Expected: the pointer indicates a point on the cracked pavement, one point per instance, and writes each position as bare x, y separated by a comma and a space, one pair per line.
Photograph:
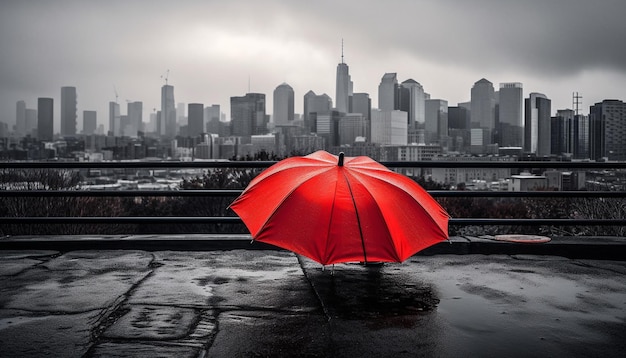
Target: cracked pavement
267, 303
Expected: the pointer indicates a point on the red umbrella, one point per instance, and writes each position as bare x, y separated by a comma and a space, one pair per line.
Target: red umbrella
335, 209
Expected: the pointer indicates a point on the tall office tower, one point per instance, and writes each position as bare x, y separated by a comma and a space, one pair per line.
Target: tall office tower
537, 122
90, 122
412, 100
388, 92
459, 128
314, 105
607, 130
343, 88
45, 119
180, 113
248, 115
68, 111
389, 127
283, 105
31, 123
212, 119
20, 118
114, 119
510, 115
167, 124
362, 104
561, 132
580, 136
350, 127
436, 126
483, 107
135, 119
195, 119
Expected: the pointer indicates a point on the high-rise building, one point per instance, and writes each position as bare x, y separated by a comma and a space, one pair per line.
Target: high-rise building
483, 107
135, 119
436, 126
388, 92
510, 115
20, 118
248, 116
314, 105
45, 119
31, 123
114, 119
412, 100
90, 122
459, 129
362, 104
195, 119
351, 126
537, 123
607, 130
389, 127
283, 105
343, 88
167, 123
68, 111
212, 119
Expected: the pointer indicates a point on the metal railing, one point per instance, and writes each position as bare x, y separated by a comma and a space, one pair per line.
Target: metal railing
225, 219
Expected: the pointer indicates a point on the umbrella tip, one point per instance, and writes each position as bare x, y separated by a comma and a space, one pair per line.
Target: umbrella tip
341, 155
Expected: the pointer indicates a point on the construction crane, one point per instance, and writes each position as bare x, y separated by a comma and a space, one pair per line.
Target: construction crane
167, 74
115, 90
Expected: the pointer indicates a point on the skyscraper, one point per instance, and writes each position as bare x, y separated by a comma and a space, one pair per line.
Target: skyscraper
607, 130
45, 119
511, 120
343, 86
20, 118
68, 111
90, 122
436, 126
167, 123
389, 127
314, 105
212, 119
412, 100
135, 119
483, 107
537, 123
362, 104
114, 119
195, 119
388, 92
31, 123
248, 116
283, 105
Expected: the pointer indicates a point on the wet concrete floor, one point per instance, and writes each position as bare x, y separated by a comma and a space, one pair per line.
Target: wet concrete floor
240, 303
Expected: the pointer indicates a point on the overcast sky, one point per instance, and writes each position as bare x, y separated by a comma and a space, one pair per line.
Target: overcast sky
218, 49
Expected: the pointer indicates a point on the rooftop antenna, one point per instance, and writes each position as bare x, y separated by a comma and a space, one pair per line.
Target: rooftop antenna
248, 83
576, 101
115, 90
167, 74
341, 50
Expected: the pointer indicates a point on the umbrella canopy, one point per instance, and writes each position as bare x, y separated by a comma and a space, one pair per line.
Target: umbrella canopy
334, 209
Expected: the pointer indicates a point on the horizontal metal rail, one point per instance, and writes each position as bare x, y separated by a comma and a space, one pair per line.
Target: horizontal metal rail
236, 192
235, 220
265, 164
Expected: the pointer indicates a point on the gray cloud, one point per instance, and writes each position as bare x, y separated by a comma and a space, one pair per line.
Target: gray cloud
213, 47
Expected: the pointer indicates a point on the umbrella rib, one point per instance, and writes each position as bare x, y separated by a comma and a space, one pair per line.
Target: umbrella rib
428, 217
358, 219
356, 178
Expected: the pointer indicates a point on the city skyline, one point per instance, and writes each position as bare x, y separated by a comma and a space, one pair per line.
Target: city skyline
215, 51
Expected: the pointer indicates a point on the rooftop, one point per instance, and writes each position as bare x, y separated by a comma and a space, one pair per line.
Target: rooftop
221, 296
